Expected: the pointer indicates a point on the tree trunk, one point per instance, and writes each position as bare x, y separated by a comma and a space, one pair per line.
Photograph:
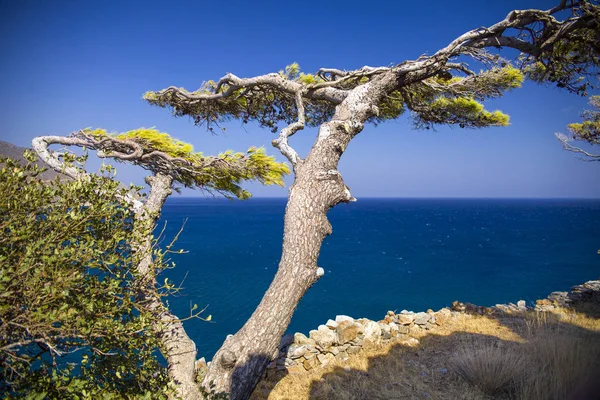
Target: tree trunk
178, 349
238, 365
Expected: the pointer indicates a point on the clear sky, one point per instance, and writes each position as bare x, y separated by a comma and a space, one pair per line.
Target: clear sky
66, 65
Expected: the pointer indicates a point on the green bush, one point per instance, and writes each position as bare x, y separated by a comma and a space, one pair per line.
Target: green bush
69, 327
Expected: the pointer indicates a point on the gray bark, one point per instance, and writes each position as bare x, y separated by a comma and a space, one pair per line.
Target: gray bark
178, 349
318, 186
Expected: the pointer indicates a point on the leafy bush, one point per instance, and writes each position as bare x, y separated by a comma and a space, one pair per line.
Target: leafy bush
69, 327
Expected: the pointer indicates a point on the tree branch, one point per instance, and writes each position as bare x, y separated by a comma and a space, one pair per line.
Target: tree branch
282, 142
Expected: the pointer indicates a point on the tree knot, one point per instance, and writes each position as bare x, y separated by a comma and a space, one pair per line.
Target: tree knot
228, 359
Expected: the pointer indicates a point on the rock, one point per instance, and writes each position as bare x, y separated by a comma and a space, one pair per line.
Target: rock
353, 349
308, 355
335, 350
331, 324
272, 365
521, 304
415, 329
458, 306
442, 316
342, 356
347, 331
310, 363
372, 332
589, 291
473, 308
340, 318
391, 313
386, 331
388, 319
324, 336
296, 351
300, 338
422, 318
429, 311
560, 298
406, 312
325, 359
403, 329
502, 307
406, 319
410, 342
393, 329
429, 325
432, 318
200, 364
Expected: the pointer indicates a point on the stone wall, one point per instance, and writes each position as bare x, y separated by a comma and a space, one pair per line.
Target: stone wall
338, 339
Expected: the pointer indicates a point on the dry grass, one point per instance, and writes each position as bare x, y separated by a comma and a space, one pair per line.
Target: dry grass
531, 356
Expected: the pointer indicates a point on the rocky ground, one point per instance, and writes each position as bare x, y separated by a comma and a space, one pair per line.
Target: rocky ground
417, 354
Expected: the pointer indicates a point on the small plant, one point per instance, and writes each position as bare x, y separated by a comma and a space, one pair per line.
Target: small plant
493, 370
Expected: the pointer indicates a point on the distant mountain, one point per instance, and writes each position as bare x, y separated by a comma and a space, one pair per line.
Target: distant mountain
16, 153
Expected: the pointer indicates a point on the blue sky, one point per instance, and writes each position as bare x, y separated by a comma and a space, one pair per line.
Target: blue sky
73, 64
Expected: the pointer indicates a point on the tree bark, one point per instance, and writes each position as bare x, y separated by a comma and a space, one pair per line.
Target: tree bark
239, 364
178, 349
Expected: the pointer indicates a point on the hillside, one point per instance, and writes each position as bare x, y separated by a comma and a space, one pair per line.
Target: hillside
16, 152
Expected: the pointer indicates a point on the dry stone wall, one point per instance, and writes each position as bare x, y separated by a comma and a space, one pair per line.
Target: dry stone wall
338, 339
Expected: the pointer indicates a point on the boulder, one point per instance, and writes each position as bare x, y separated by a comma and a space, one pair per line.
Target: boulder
296, 351
422, 318
458, 306
403, 329
410, 342
324, 337
353, 349
347, 331
310, 363
340, 318
200, 364
300, 338
325, 359
406, 319
393, 329
442, 316
386, 331
331, 324
372, 332
342, 356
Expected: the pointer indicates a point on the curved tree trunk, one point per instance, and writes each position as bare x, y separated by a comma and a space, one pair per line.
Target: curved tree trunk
238, 365
178, 349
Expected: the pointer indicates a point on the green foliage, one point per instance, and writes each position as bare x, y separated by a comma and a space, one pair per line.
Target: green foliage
589, 129
447, 99
443, 99
70, 329
265, 105
462, 110
223, 173
571, 62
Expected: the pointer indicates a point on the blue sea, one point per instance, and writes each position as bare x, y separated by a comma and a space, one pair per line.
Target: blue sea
384, 254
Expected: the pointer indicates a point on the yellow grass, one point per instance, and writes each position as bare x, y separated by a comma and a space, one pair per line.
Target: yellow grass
522, 356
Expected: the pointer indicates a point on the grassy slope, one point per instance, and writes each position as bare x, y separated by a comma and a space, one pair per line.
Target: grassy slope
522, 356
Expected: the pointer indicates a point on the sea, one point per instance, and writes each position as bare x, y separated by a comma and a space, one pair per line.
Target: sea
384, 254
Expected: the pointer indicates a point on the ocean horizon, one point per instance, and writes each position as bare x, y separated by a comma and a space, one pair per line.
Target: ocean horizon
384, 254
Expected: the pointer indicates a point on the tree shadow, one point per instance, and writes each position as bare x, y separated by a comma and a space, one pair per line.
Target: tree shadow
429, 371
